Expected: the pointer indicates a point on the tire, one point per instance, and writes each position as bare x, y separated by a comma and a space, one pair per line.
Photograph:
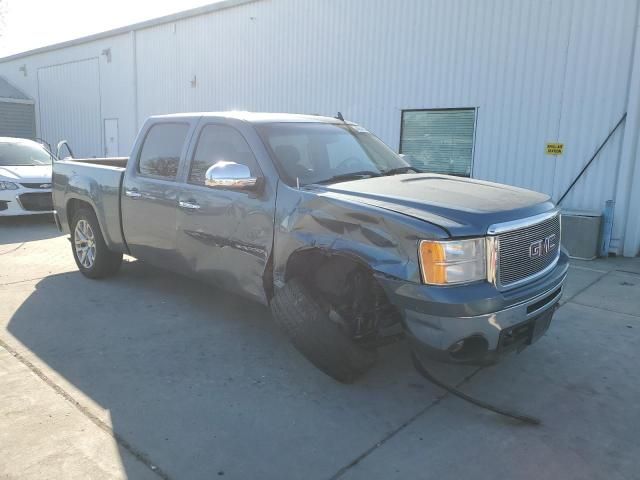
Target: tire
92, 256
321, 340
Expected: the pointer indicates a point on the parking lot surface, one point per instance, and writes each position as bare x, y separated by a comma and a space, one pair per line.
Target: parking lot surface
152, 375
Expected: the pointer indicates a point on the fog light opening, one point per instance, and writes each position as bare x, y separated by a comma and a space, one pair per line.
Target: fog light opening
470, 348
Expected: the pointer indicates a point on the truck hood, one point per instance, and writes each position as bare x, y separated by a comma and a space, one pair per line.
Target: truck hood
26, 173
461, 206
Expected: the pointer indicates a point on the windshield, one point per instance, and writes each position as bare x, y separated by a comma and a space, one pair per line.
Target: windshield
307, 153
23, 153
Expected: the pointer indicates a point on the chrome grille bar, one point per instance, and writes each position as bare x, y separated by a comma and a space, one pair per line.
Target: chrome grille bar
518, 251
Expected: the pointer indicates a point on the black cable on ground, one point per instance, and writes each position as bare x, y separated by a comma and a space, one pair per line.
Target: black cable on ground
479, 403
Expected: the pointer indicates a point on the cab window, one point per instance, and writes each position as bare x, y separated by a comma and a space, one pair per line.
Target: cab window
160, 153
220, 143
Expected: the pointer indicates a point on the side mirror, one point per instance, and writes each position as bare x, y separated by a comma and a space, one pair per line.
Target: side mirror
230, 175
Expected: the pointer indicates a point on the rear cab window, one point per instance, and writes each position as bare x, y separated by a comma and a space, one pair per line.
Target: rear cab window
160, 153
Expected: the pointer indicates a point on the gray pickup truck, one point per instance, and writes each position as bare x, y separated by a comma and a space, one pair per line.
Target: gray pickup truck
349, 245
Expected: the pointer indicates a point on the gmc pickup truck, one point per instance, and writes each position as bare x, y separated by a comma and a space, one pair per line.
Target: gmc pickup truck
349, 245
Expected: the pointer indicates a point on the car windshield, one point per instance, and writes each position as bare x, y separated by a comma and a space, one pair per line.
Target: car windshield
307, 153
22, 154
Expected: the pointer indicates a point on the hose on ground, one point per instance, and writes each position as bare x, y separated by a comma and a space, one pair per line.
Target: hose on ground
479, 403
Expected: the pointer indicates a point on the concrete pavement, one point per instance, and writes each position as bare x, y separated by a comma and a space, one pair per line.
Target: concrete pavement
151, 375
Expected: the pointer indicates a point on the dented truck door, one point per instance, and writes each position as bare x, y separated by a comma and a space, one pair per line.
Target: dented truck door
225, 234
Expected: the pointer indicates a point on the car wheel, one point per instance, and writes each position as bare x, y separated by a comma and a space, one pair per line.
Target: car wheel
93, 257
313, 332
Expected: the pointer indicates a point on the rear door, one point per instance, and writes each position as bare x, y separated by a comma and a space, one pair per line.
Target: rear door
225, 236
150, 192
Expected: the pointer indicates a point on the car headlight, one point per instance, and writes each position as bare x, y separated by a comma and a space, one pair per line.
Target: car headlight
8, 185
448, 262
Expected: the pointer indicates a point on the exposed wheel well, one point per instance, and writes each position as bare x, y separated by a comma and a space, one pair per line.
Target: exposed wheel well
73, 206
346, 283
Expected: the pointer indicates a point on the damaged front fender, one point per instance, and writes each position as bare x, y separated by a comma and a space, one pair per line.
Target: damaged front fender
385, 242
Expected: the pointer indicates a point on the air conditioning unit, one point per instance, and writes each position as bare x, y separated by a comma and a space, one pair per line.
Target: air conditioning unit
581, 233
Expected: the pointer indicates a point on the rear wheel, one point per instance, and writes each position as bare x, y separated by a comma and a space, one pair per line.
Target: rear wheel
315, 331
93, 257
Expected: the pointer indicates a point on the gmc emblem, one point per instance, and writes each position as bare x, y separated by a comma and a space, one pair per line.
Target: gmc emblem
540, 248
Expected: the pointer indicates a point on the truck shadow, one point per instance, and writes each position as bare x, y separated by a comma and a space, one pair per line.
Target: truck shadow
27, 229
195, 378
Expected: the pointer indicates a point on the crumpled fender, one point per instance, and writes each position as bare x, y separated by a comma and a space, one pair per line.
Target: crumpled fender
385, 241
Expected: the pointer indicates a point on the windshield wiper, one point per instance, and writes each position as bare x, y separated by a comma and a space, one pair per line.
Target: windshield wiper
350, 176
398, 170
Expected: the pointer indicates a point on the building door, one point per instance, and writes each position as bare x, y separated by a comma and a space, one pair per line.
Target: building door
110, 137
69, 103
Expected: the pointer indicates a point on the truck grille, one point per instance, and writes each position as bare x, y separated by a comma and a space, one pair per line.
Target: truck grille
527, 251
36, 202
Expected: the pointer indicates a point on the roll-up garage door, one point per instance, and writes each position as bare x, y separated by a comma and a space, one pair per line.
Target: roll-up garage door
17, 119
69, 106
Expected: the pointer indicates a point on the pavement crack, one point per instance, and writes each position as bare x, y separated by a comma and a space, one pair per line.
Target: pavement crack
401, 427
569, 299
13, 249
627, 272
606, 309
21, 281
137, 454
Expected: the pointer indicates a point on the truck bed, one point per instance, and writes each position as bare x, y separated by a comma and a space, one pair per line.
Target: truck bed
96, 181
120, 162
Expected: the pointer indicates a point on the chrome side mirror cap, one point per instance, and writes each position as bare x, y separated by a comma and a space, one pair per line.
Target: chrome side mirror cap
230, 175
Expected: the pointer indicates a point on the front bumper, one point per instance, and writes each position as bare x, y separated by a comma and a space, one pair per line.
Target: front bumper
25, 201
477, 324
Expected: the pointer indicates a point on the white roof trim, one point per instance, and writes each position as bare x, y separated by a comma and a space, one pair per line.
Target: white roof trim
193, 12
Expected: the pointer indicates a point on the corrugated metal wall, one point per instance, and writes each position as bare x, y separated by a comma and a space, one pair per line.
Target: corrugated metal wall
70, 105
537, 71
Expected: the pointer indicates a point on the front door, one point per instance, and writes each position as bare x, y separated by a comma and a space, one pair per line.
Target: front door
225, 236
150, 194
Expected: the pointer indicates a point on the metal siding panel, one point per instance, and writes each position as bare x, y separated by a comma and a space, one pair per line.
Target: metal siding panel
594, 99
536, 70
70, 106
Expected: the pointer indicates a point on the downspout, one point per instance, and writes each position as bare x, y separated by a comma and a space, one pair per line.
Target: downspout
628, 192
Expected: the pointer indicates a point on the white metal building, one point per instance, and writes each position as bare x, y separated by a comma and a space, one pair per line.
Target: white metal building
475, 87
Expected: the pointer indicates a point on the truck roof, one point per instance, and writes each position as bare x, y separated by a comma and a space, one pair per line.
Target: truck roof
256, 117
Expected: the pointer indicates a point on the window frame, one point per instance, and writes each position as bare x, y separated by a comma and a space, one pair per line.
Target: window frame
185, 144
445, 109
194, 148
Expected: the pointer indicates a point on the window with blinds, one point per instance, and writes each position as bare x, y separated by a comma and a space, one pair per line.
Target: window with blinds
439, 141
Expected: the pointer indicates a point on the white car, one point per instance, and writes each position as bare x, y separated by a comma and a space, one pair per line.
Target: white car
25, 177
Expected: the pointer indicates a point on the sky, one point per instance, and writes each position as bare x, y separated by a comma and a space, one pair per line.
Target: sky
28, 24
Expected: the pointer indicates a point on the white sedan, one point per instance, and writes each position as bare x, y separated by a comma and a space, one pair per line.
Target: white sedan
25, 177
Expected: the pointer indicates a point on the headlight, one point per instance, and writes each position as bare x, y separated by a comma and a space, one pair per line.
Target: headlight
450, 262
8, 186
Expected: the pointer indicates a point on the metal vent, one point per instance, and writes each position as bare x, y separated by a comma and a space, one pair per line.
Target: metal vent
523, 253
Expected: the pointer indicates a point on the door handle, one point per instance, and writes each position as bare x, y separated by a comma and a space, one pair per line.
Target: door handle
188, 205
132, 193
